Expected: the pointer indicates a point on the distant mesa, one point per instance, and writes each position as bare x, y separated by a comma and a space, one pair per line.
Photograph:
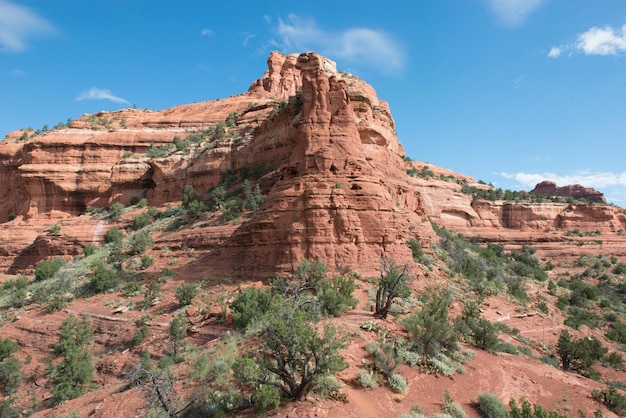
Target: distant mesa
576, 191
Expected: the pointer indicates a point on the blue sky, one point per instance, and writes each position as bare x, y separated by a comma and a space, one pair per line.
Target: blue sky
510, 92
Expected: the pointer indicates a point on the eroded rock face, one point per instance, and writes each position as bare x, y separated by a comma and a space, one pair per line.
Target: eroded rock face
336, 197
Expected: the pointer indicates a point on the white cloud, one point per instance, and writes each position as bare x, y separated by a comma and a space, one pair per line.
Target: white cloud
356, 45
514, 12
595, 179
18, 24
595, 41
602, 41
207, 32
95, 93
554, 52
16, 72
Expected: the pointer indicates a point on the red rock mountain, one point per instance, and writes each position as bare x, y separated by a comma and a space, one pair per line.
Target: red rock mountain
337, 186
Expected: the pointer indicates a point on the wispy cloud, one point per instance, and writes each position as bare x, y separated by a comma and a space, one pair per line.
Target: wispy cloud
374, 48
519, 82
18, 24
246, 37
207, 32
595, 41
595, 179
16, 72
514, 12
555, 52
95, 93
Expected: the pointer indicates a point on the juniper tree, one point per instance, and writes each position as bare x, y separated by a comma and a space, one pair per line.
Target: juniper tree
393, 283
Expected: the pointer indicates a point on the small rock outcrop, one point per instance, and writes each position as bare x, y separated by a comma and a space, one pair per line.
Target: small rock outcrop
576, 191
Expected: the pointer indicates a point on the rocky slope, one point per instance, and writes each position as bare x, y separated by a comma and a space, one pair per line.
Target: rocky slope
327, 158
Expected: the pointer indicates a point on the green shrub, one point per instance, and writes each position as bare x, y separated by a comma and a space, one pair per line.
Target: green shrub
530, 411
452, 408
141, 333
141, 221
612, 399
418, 253
18, 298
70, 377
250, 305
447, 365
114, 234
614, 360
476, 330
384, 355
103, 278
579, 355
146, 261
617, 332
186, 292
551, 360
490, 406
7, 348
18, 289
7, 411
10, 375
328, 386
406, 356
157, 151
140, 242
506, 348
177, 332
253, 198
194, 205
266, 398
335, 296
429, 329
132, 289
166, 274
151, 294
397, 383
115, 211
47, 269
54, 229
89, 249
57, 302
416, 412
367, 379
577, 317
232, 209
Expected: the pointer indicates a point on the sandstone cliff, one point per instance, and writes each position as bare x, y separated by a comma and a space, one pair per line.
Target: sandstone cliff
337, 187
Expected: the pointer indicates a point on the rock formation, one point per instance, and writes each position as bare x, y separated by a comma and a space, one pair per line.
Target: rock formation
576, 191
336, 189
